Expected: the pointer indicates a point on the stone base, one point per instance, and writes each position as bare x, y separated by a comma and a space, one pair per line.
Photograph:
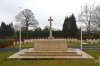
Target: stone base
69, 54
50, 37
50, 45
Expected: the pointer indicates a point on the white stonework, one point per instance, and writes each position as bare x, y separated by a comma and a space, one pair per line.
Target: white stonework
50, 45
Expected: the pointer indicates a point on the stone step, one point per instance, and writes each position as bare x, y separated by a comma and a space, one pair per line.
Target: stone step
50, 49
50, 54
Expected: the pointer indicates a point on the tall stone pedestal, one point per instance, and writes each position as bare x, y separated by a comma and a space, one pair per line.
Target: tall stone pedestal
50, 45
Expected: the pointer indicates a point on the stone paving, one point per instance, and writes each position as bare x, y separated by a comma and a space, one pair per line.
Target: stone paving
82, 55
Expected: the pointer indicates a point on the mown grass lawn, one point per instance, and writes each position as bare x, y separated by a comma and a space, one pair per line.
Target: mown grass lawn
85, 62
79, 44
94, 53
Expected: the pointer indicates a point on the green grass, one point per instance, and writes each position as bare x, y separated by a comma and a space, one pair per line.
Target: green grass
94, 53
79, 44
73, 44
85, 62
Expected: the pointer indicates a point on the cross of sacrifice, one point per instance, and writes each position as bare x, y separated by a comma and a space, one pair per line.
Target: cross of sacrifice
98, 61
50, 27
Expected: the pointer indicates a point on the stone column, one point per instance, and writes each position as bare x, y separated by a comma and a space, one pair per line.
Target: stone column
50, 27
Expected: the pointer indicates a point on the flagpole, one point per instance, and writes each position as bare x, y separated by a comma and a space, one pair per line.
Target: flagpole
81, 28
20, 34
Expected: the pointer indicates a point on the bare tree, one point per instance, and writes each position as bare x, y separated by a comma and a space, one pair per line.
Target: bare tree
16, 27
86, 16
46, 28
27, 19
96, 17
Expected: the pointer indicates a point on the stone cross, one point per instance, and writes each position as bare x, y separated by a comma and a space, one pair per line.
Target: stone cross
98, 61
50, 36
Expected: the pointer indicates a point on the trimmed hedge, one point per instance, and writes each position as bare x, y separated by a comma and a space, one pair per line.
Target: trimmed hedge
6, 43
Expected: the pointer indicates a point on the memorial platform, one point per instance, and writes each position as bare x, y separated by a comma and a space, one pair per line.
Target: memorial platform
30, 54
50, 45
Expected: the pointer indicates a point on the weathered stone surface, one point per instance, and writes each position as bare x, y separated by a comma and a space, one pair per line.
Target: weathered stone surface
50, 45
29, 54
50, 54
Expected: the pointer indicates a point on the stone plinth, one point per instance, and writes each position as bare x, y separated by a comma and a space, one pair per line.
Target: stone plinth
49, 53
50, 38
29, 54
50, 45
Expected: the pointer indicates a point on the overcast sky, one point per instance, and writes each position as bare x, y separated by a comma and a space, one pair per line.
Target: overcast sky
43, 9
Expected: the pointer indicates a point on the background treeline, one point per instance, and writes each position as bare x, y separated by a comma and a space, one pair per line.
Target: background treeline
41, 34
69, 30
6, 31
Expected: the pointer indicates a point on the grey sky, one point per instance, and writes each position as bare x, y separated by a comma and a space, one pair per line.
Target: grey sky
43, 9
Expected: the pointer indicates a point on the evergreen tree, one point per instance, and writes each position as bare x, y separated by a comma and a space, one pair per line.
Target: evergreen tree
46, 29
6, 30
65, 27
69, 27
74, 29
10, 30
3, 29
0, 31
